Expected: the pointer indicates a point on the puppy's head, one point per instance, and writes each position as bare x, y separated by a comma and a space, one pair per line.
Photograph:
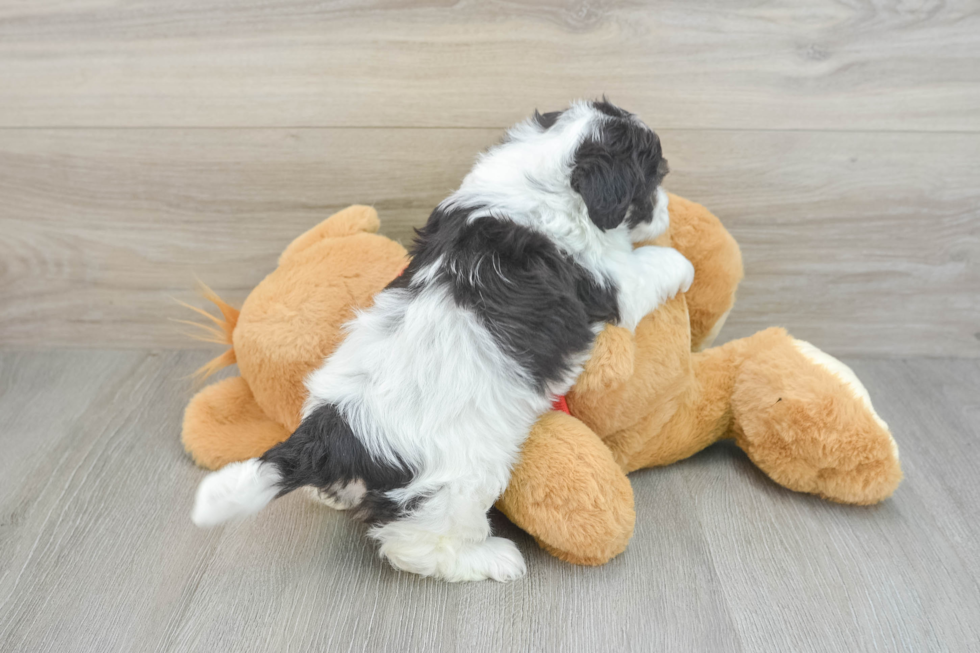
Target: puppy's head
618, 168
592, 155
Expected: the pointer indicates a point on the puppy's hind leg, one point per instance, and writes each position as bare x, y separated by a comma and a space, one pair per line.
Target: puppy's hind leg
448, 537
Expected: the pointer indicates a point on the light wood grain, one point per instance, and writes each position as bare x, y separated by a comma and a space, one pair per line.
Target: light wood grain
143, 143
804, 64
803, 574
863, 243
97, 552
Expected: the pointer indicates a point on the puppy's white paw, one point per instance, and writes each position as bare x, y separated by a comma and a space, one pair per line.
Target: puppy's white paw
681, 272
495, 558
665, 267
505, 562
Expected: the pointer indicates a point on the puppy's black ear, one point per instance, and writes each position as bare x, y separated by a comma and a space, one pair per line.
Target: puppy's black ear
547, 120
607, 178
623, 165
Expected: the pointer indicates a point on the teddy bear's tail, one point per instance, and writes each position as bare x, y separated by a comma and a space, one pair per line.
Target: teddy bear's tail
220, 333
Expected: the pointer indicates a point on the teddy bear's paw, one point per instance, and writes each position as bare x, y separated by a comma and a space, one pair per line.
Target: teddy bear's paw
807, 421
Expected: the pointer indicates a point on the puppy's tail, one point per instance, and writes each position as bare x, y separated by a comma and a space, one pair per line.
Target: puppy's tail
242, 489
236, 490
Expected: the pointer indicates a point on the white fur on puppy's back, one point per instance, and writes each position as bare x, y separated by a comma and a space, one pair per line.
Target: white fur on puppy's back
237, 490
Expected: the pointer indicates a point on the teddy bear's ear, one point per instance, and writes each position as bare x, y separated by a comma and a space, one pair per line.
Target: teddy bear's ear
352, 220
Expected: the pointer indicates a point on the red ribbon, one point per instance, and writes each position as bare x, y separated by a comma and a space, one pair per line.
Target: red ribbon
562, 405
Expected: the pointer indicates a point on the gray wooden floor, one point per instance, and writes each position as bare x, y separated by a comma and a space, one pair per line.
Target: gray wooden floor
97, 552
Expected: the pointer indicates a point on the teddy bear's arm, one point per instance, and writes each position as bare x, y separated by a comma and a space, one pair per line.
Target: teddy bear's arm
610, 364
700, 236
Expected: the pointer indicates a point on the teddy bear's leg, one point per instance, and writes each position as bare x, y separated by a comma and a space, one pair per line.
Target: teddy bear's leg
800, 415
354, 219
569, 493
223, 424
697, 234
807, 421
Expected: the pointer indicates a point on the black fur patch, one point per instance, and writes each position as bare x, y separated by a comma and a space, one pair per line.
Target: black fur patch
325, 453
547, 120
536, 302
610, 109
401, 281
619, 169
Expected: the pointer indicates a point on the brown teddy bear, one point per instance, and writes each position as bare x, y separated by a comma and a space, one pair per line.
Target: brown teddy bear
645, 399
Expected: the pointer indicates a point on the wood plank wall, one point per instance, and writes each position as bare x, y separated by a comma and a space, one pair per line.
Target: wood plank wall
145, 142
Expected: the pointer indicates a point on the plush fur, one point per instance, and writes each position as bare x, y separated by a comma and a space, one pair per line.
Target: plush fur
418, 416
644, 399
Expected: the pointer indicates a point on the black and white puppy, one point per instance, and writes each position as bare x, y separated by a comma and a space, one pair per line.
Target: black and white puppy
416, 420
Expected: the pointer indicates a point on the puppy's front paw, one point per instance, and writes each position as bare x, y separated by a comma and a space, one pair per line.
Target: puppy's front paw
680, 272
666, 267
654, 275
